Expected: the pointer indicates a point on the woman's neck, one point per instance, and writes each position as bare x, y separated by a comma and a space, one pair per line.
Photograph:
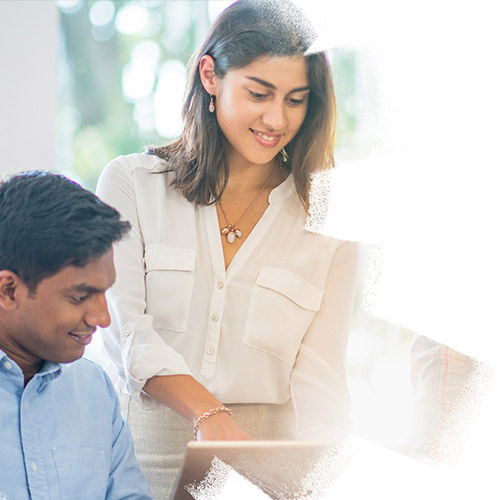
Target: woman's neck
251, 177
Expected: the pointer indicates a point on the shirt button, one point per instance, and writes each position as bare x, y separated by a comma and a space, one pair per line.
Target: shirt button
210, 350
214, 318
127, 332
7, 365
25, 405
220, 284
34, 468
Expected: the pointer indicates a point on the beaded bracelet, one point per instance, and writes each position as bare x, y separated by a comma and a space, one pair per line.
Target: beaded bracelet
208, 414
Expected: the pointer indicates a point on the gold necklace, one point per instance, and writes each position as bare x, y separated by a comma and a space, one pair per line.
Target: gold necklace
232, 231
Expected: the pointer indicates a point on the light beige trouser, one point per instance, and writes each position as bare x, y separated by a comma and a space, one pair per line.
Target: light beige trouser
160, 436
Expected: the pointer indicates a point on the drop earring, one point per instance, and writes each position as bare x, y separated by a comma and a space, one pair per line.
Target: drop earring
284, 155
211, 106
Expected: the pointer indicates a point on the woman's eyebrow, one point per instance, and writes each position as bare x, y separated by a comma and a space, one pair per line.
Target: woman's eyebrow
273, 87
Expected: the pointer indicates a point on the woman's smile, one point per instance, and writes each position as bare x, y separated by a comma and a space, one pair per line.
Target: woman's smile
267, 140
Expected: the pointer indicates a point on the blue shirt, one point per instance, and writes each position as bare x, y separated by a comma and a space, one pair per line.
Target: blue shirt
63, 436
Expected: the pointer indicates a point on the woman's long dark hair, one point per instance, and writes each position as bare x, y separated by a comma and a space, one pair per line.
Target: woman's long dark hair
245, 31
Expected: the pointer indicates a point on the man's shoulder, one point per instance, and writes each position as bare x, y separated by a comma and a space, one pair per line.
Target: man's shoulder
83, 365
88, 375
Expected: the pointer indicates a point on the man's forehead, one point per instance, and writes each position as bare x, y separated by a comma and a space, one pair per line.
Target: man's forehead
98, 274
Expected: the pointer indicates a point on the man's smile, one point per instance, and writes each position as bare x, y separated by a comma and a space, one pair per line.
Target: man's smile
82, 339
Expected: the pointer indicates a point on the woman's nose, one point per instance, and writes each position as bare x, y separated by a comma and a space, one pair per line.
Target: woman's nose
274, 116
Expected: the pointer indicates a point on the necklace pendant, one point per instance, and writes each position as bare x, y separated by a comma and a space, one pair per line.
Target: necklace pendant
231, 232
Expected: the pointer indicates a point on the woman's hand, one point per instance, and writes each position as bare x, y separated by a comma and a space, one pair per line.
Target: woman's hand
221, 427
189, 398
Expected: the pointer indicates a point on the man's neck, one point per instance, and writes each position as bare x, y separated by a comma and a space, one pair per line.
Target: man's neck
29, 365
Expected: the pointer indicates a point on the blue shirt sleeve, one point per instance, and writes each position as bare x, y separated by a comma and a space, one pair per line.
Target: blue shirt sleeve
126, 480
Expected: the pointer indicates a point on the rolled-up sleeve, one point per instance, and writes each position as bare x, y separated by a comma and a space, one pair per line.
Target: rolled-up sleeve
135, 349
318, 379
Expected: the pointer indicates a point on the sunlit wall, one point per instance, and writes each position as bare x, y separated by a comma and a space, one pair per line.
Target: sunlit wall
28, 56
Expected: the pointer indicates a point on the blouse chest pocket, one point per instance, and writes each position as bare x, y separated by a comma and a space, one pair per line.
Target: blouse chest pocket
282, 306
169, 285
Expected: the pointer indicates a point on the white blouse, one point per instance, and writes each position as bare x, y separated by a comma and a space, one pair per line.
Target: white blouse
271, 326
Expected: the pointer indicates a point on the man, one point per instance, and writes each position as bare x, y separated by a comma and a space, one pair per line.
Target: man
62, 435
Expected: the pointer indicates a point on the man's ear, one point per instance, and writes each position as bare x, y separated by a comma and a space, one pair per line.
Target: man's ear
208, 77
10, 286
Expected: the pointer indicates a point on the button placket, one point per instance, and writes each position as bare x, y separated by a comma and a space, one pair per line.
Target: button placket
213, 329
210, 352
33, 456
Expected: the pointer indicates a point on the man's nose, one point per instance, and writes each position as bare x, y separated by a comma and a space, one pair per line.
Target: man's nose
98, 314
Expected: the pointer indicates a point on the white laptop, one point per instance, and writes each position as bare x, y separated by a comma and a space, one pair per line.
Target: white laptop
270, 469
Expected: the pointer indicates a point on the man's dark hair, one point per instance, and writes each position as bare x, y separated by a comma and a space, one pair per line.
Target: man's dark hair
48, 222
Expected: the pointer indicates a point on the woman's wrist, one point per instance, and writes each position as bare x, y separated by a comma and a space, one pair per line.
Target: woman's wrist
209, 413
183, 394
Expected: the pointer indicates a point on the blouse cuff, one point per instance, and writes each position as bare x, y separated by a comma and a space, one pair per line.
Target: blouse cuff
144, 361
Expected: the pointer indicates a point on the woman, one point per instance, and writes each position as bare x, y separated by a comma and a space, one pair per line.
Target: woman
223, 301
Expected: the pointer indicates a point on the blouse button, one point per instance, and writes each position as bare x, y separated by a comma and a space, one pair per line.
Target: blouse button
214, 318
220, 284
210, 350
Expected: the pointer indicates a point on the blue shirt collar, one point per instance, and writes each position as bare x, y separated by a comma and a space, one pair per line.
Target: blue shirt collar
48, 372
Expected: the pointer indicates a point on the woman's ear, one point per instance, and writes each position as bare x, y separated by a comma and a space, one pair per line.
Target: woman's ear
208, 77
10, 285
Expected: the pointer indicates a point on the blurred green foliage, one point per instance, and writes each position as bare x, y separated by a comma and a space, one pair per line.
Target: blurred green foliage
94, 87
